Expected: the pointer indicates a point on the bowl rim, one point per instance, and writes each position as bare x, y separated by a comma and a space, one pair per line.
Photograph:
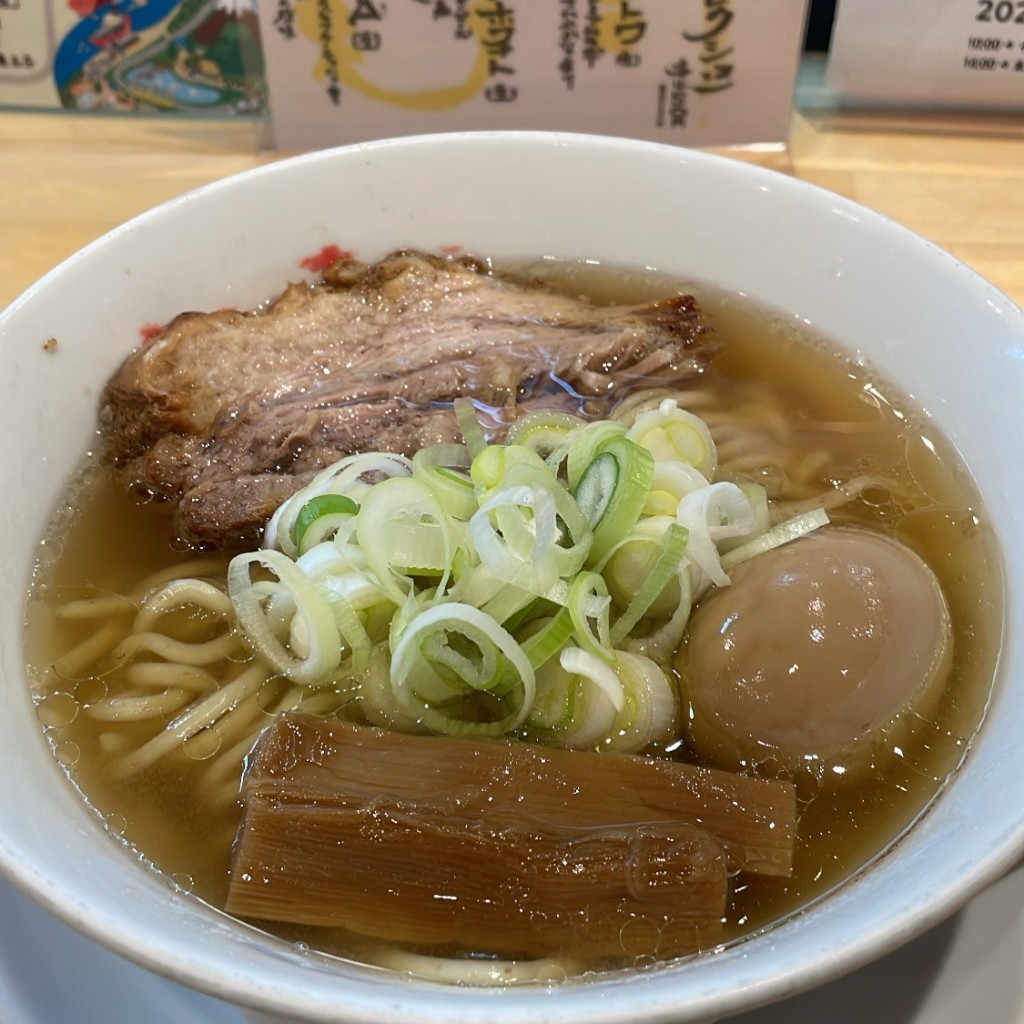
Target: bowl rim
506, 1004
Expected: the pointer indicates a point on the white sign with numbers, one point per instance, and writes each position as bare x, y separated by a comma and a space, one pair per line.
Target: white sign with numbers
929, 53
696, 72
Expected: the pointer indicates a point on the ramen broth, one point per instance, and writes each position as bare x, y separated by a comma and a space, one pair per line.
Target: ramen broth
776, 396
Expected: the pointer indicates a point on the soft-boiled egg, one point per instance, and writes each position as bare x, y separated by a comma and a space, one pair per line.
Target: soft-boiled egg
817, 650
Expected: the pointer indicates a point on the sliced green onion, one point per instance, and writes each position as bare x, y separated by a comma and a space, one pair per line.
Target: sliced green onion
589, 600
452, 651
599, 699
490, 469
712, 514
323, 506
629, 563
597, 670
555, 705
313, 649
343, 477
670, 483
672, 434
377, 698
597, 485
528, 565
472, 432
440, 467
508, 603
549, 638
404, 532
524, 543
612, 491
778, 535
586, 443
638, 402
475, 588
352, 633
651, 706
665, 568
662, 643
758, 498
342, 573
543, 431
586, 703
524, 616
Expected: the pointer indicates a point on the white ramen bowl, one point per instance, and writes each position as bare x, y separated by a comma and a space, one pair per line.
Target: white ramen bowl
929, 324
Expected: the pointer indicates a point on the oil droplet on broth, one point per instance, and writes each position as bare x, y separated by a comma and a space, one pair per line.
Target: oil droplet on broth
203, 745
68, 753
640, 936
90, 691
183, 881
57, 710
115, 824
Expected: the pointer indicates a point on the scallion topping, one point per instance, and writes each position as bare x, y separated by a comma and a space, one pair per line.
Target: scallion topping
539, 586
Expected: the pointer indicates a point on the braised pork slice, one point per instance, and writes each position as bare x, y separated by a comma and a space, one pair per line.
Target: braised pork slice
229, 413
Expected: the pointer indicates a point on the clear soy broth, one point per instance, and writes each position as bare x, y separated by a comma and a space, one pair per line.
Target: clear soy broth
786, 410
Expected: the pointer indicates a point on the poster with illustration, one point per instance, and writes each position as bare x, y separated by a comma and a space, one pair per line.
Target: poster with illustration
693, 72
190, 57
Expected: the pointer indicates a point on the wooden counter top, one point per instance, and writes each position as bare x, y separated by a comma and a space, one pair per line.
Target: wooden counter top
66, 180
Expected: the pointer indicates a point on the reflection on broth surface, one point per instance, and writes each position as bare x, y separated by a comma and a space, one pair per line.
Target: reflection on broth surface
785, 412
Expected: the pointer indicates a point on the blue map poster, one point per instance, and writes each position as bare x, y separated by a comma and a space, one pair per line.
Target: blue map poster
191, 57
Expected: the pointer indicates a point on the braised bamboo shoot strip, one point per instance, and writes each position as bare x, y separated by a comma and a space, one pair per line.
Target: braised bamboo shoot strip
507, 888
304, 760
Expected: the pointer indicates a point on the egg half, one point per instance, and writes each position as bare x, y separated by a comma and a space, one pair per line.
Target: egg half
817, 651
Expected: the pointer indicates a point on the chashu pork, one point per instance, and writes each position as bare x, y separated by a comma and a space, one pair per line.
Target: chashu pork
229, 413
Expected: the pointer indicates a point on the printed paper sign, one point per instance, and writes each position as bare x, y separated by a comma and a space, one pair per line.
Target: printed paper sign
191, 57
935, 53
694, 72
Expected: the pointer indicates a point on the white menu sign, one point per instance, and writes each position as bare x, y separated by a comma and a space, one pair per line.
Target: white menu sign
693, 72
932, 53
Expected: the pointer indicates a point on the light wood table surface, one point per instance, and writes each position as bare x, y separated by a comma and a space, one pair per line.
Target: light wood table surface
66, 180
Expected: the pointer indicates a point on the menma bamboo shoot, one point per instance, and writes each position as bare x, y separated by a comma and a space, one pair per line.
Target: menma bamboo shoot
496, 846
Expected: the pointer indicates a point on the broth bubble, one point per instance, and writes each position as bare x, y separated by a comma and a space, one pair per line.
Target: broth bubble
203, 745
183, 881
90, 691
68, 753
639, 936
115, 824
57, 710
